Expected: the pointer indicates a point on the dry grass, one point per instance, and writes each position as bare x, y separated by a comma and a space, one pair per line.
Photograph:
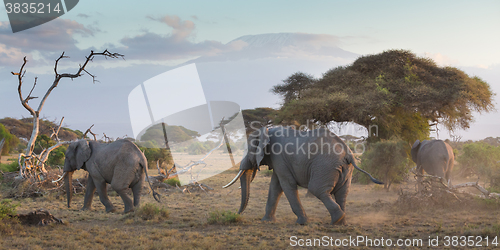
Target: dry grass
371, 211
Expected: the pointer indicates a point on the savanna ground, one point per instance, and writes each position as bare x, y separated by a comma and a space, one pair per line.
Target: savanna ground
371, 212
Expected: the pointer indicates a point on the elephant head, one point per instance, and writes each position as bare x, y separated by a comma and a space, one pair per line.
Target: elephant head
414, 150
255, 157
76, 156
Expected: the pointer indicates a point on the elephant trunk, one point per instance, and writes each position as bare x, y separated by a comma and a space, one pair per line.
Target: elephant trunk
245, 180
68, 182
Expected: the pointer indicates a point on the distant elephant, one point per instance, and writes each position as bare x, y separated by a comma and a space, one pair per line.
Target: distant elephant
317, 160
435, 157
119, 163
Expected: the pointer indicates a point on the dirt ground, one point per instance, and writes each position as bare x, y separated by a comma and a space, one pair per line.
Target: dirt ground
374, 218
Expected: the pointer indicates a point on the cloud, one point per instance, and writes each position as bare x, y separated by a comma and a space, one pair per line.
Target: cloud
441, 59
83, 15
174, 45
11, 56
45, 40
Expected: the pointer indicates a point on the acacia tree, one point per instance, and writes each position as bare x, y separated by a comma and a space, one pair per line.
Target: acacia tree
32, 165
400, 93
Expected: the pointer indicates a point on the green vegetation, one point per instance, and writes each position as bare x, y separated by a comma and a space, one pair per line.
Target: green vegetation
10, 142
155, 135
156, 154
7, 208
9, 167
400, 93
173, 182
258, 117
223, 217
388, 160
151, 211
482, 159
23, 128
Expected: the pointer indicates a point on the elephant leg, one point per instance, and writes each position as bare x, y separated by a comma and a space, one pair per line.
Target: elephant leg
102, 190
324, 193
136, 190
292, 196
341, 198
336, 213
273, 197
89, 194
121, 190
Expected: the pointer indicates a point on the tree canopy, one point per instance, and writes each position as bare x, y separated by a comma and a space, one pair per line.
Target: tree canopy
258, 117
400, 93
155, 135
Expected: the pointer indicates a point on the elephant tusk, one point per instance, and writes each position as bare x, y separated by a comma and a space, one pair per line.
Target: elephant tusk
62, 176
235, 179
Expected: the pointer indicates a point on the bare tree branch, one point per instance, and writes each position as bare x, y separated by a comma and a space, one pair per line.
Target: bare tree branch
29, 162
89, 131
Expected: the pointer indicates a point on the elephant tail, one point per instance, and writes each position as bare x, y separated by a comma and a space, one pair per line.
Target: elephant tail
363, 171
155, 194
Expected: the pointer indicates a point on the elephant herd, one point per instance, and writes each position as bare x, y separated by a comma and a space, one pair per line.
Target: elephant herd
316, 159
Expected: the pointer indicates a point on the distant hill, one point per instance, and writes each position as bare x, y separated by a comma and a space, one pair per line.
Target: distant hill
22, 128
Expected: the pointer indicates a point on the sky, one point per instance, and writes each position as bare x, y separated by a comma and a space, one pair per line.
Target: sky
156, 36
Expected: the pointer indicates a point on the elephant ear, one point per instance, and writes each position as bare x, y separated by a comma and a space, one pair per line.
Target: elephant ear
261, 148
414, 150
82, 152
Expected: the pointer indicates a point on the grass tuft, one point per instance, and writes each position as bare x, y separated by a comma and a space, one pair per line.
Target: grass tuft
151, 211
173, 182
7, 208
223, 217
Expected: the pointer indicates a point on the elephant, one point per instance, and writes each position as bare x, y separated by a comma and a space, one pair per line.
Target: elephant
119, 163
435, 157
316, 159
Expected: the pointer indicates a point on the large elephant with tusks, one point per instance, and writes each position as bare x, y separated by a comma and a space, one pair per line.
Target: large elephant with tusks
317, 160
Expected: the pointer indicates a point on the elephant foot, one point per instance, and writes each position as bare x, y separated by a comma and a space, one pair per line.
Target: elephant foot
86, 208
339, 221
301, 220
269, 218
110, 210
128, 211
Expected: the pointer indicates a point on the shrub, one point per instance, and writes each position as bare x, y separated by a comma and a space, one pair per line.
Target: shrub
223, 217
10, 140
10, 167
173, 182
484, 160
150, 211
198, 148
7, 208
386, 159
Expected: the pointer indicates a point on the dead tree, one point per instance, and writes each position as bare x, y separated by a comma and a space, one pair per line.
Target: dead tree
442, 184
33, 165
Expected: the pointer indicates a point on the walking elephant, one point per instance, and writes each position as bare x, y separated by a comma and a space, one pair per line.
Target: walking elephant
435, 157
119, 163
317, 160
